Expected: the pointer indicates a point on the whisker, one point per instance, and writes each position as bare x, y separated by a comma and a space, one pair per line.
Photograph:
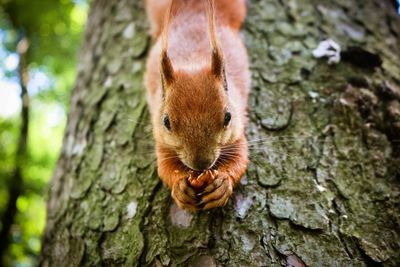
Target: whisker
288, 138
138, 121
168, 158
220, 161
266, 142
258, 143
148, 152
281, 137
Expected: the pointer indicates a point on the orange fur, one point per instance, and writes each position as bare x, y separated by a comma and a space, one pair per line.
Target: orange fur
197, 54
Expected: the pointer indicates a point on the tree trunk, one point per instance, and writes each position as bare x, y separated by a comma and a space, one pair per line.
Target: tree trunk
322, 188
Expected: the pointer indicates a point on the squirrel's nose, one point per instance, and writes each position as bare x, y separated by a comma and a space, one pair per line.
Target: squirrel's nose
201, 164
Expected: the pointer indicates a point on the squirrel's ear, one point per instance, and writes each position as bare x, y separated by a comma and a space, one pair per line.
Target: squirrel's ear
217, 63
167, 71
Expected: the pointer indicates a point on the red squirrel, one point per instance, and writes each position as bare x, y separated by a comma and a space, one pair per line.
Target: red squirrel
198, 80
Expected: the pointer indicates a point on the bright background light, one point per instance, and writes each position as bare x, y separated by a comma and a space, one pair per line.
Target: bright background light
10, 102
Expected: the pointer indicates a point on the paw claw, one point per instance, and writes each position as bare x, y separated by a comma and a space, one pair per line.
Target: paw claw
201, 194
201, 204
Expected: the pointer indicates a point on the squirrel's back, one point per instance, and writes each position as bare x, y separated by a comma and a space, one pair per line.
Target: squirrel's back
229, 12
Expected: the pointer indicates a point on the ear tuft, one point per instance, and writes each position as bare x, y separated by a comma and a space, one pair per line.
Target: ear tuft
217, 63
167, 71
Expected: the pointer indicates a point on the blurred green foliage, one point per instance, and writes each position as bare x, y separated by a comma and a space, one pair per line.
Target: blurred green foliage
53, 29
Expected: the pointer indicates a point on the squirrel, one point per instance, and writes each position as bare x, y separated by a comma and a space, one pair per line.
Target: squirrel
198, 80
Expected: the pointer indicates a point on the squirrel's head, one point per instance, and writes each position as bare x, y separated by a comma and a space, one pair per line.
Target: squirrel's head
197, 119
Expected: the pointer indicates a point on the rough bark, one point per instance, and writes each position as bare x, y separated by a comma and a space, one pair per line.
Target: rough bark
322, 188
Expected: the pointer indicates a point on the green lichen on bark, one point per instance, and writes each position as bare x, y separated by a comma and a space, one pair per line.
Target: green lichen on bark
322, 186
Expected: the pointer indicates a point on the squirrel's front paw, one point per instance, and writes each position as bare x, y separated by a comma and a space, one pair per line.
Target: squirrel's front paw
217, 193
184, 195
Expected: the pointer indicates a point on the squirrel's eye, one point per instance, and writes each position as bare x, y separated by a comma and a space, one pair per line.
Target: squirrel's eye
166, 122
227, 119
